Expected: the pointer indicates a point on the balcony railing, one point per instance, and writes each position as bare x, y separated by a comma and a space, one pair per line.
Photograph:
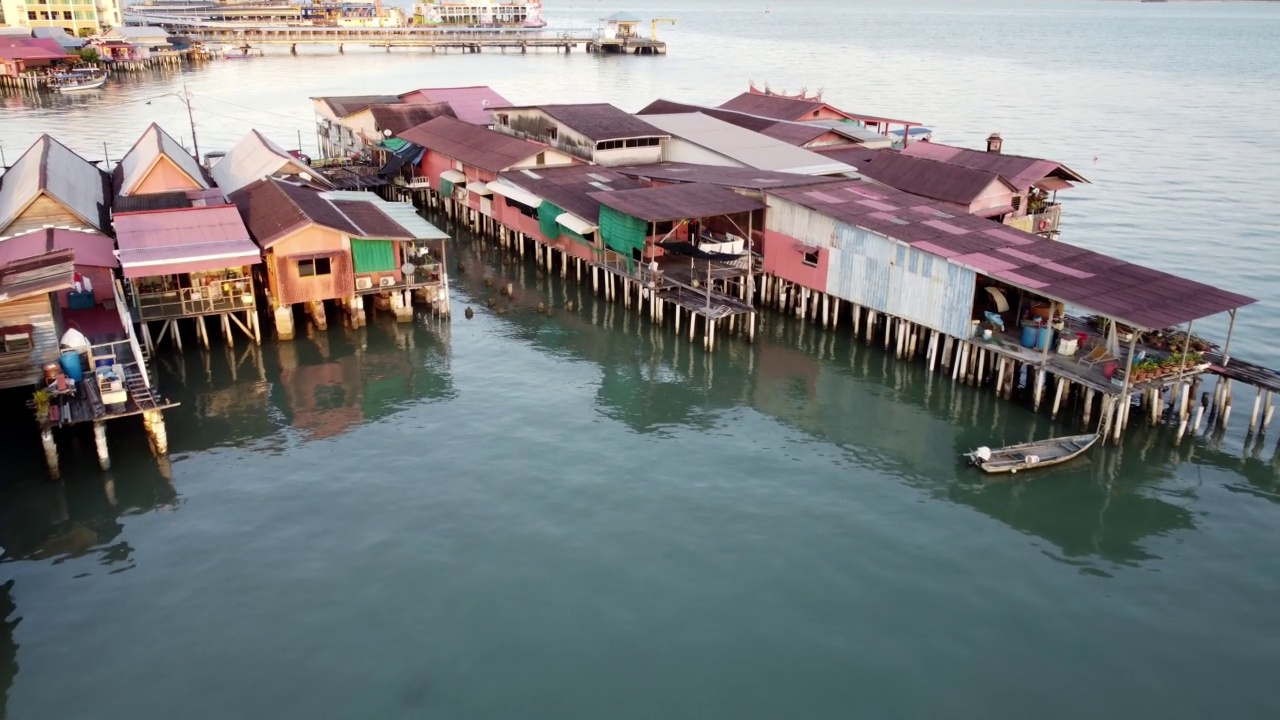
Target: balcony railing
223, 296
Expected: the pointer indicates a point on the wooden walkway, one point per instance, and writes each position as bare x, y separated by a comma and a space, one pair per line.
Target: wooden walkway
1245, 372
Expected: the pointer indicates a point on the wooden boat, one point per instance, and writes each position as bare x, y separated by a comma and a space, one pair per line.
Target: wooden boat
79, 80
1032, 455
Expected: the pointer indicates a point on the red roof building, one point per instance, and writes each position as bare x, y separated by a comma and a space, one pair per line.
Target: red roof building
20, 54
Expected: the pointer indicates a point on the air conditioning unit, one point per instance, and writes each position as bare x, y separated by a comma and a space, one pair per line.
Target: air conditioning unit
387, 281
364, 283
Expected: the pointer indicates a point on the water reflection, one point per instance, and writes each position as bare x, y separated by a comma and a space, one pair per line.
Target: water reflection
320, 385
8, 646
893, 417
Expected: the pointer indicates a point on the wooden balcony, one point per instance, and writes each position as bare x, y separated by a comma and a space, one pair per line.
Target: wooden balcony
224, 296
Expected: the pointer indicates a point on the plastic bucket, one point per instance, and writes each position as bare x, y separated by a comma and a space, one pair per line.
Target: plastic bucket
1029, 332
70, 360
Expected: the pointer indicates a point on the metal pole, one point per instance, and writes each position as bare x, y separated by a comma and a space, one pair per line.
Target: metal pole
1124, 392
192, 120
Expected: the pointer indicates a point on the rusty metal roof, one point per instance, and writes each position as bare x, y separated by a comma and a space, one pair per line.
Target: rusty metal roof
678, 202
373, 223
572, 187
1130, 293
472, 145
37, 275
855, 155
473, 104
398, 118
601, 121
934, 179
274, 208
772, 106
50, 167
731, 177
92, 249
1022, 171
344, 105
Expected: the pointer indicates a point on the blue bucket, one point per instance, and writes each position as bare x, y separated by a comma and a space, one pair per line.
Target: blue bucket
1029, 332
70, 361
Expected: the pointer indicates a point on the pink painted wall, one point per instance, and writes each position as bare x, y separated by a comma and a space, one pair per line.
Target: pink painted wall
100, 277
433, 163
785, 259
518, 221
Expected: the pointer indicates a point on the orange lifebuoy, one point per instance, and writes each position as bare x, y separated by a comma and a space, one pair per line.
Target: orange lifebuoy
1044, 225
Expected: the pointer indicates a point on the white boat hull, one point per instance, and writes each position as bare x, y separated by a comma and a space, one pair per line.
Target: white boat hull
1032, 455
87, 85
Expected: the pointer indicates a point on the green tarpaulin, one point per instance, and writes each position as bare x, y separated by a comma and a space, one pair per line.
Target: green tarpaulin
547, 214
446, 187
373, 256
393, 144
621, 232
575, 236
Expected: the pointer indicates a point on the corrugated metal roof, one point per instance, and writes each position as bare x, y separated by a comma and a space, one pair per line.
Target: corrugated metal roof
91, 249
58, 35
49, 166
772, 106
1023, 172
933, 179
37, 275
402, 213
255, 157
601, 121
855, 155
139, 32
749, 148
798, 134
572, 188
27, 48
732, 177
473, 104
274, 208
151, 201
678, 202
1130, 293
344, 105
472, 145
398, 118
183, 240
150, 147
372, 222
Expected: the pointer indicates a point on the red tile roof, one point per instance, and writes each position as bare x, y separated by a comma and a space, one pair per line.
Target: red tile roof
1130, 293
1023, 172
184, 240
678, 202
472, 145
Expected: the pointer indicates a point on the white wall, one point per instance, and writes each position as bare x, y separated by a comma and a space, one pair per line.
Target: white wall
678, 150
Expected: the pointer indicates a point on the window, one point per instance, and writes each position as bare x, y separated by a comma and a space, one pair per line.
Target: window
1017, 201
811, 258
552, 132
542, 158
66, 15
504, 119
664, 227
815, 113
31, 15
315, 266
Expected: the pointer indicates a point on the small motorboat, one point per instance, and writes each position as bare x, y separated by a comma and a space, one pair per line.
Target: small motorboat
78, 80
1032, 455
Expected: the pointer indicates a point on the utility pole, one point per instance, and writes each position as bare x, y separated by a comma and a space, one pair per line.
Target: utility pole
191, 119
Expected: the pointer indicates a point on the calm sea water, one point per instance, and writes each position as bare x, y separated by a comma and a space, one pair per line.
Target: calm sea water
580, 516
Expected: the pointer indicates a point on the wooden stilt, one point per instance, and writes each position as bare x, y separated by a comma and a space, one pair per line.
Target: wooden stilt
1057, 397
100, 442
50, 452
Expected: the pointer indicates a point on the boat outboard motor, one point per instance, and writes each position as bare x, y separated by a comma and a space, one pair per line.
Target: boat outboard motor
982, 454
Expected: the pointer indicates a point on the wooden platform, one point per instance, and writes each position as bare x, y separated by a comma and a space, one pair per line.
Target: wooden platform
1245, 372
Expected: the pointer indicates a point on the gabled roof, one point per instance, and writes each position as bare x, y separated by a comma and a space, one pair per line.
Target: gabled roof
678, 202
933, 179
50, 167
254, 158
92, 249
855, 155
723, 175
601, 121
185, 240
798, 134
745, 147
1022, 171
473, 104
773, 106
398, 118
274, 208
37, 275
344, 105
27, 48
403, 214
571, 187
472, 145
1130, 293
153, 145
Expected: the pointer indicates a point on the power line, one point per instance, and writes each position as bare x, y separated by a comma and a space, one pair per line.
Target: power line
246, 107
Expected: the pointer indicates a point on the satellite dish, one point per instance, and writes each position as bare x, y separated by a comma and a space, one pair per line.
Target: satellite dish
484, 103
386, 133
407, 268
